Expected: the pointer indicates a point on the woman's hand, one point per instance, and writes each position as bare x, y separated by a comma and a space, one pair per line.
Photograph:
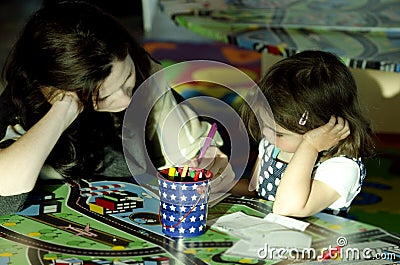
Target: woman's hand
218, 163
214, 160
68, 105
32, 148
328, 135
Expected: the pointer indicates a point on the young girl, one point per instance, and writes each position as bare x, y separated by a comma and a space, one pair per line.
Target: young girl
315, 162
68, 80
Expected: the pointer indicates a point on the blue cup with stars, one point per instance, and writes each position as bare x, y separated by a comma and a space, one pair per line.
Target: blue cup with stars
184, 203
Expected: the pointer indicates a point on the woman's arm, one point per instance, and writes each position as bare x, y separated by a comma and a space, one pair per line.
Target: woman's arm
20, 163
298, 194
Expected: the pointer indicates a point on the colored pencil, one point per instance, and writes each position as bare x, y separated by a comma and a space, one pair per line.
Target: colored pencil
171, 173
184, 172
208, 141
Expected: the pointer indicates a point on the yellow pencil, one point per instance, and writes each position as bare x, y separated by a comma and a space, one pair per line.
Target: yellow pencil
171, 173
184, 172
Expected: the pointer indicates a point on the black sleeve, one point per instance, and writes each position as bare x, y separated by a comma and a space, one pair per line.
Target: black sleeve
12, 204
3, 117
7, 116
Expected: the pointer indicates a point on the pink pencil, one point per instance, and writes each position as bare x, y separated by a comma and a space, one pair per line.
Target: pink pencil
208, 141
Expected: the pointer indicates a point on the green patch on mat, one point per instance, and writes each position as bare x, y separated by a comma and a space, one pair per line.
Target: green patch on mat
387, 221
385, 165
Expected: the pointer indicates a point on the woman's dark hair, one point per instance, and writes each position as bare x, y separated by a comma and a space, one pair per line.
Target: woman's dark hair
319, 83
70, 46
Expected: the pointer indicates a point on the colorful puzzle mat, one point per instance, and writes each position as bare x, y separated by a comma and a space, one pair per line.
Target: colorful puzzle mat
364, 33
117, 222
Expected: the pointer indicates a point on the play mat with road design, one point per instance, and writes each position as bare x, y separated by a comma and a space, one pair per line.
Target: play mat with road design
116, 222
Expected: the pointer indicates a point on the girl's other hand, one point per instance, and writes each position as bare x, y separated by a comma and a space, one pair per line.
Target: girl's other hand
328, 135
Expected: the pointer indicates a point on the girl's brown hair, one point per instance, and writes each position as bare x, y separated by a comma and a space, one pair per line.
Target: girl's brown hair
321, 84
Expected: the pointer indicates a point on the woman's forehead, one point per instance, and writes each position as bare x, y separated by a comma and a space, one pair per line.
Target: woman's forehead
119, 71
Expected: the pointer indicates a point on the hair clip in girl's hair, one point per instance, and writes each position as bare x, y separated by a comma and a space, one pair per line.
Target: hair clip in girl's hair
304, 118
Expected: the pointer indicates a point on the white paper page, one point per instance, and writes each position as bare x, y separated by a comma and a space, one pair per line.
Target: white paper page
243, 248
288, 222
244, 226
271, 245
257, 233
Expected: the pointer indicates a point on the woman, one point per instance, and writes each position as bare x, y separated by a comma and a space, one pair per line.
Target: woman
68, 80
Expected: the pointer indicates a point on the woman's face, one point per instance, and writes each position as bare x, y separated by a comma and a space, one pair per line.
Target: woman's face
116, 91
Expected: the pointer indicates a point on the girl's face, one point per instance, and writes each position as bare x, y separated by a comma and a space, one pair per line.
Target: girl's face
116, 91
286, 141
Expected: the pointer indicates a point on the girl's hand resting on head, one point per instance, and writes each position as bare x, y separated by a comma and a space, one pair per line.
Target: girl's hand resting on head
328, 135
218, 163
68, 105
